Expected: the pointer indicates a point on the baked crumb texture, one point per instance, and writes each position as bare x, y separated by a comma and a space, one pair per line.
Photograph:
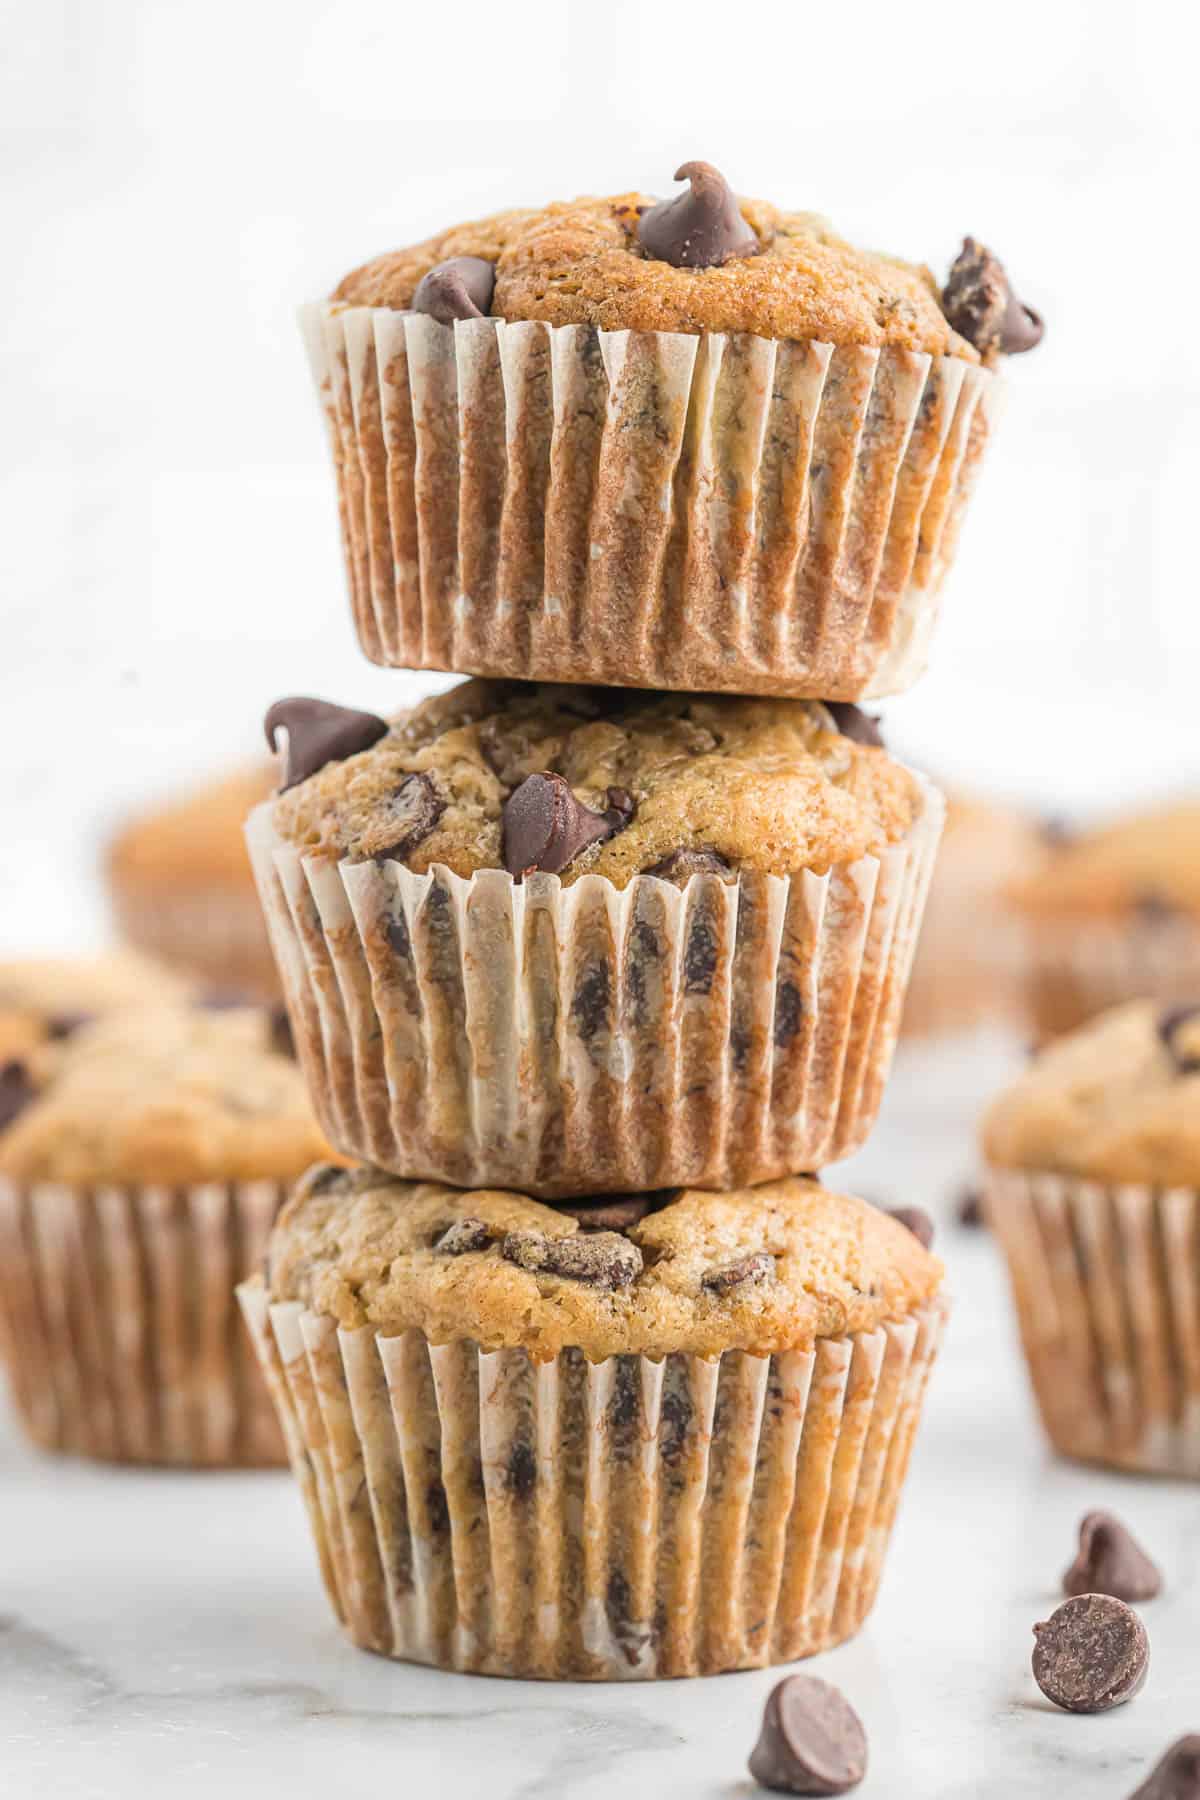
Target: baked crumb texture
603, 1029
747, 478
1095, 1157
537, 1513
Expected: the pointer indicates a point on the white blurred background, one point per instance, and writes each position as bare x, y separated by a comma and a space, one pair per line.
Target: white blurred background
178, 174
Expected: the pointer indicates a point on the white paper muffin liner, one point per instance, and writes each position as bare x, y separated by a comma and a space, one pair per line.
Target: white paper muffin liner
118, 1323
629, 1519
589, 1039
1106, 1284
645, 509
1079, 968
216, 936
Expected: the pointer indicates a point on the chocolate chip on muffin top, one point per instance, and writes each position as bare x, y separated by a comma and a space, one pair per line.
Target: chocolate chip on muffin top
571, 781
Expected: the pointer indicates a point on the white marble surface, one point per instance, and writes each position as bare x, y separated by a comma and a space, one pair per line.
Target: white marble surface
166, 1633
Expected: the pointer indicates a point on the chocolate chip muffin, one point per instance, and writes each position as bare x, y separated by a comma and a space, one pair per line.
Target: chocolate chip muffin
142, 1161
654, 1435
181, 887
574, 940
1113, 914
695, 443
51, 997
1094, 1192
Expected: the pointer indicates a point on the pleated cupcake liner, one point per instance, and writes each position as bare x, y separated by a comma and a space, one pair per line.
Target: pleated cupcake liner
629, 1519
590, 1039
118, 1323
645, 509
1078, 968
1106, 1285
215, 935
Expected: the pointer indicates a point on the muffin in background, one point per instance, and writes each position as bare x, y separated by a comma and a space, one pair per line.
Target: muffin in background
48, 997
1094, 1195
701, 443
967, 970
654, 1436
1113, 914
142, 1161
573, 940
181, 886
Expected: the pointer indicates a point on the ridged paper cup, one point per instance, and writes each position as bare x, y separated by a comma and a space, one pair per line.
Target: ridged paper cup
590, 1039
1106, 1284
217, 936
645, 509
1077, 968
629, 1519
119, 1327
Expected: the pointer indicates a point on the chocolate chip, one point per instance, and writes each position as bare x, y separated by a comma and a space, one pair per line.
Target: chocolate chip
521, 1474
601, 1258
680, 865
415, 806
318, 732
812, 1740
543, 825
1170, 1023
279, 1031
1055, 832
968, 1209
853, 723
590, 1001
463, 1235
1177, 1776
66, 1024
759, 1265
675, 1416
980, 305
615, 1212
916, 1220
1091, 1655
397, 935
16, 1091
698, 229
1153, 907
700, 957
437, 1508
460, 288
1111, 1561
789, 1011
326, 1177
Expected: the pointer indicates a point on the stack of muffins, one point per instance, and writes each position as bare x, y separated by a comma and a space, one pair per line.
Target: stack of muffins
582, 1374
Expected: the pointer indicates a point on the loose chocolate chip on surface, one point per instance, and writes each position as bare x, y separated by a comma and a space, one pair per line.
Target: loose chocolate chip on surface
759, 1265
853, 723
812, 1740
680, 865
279, 1029
699, 229
1171, 1023
1177, 1776
601, 1258
460, 288
463, 1235
968, 1209
1111, 1561
415, 808
1091, 1654
318, 732
543, 825
66, 1024
979, 303
16, 1091
914, 1219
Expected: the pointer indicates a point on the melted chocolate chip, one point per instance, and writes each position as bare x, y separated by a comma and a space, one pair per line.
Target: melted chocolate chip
1170, 1023
543, 826
759, 1265
811, 1742
1177, 1776
16, 1091
463, 1235
66, 1024
318, 732
980, 305
416, 806
789, 1011
698, 229
615, 1212
680, 865
1111, 1561
460, 288
853, 723
603, 1259
1091, 1655
916, 1220
520, 1475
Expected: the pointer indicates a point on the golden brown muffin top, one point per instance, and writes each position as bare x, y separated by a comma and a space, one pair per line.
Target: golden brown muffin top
1146, 865
170, 1095
196, 838
580, 262
662, 780
1116, 1101
763, 1269
51, 997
